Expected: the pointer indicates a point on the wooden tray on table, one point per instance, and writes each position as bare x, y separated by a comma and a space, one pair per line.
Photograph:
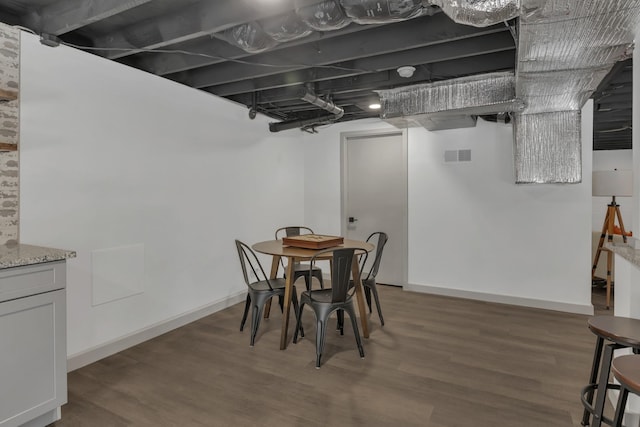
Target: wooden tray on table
312, 241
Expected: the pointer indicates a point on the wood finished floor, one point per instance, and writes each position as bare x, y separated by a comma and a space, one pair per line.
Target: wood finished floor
438, 362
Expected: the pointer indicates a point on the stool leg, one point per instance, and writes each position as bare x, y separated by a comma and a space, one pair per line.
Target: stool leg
593, 377
605, 368
622, 402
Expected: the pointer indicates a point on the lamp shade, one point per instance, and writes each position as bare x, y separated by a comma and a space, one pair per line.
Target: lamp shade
613, 183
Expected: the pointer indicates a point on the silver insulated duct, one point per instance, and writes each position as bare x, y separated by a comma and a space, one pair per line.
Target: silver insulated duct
450, 103
565, 48
479, 13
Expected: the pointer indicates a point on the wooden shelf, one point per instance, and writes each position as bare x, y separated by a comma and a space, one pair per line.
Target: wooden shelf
4, 146
7, 95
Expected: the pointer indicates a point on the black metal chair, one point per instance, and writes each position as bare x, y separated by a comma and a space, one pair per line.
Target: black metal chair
260, 288
325, 301
369, 279
300, 269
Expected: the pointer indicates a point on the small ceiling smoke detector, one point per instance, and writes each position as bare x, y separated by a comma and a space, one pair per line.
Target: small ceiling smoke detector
406, 71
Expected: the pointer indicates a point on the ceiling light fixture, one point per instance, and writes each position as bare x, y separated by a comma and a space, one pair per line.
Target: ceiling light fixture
374, 106
406, 71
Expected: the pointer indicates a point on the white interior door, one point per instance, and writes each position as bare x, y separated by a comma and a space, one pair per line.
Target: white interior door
374, 195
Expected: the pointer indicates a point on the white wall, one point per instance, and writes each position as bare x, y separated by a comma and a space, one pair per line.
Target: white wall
609, 160
113, 157
472, 231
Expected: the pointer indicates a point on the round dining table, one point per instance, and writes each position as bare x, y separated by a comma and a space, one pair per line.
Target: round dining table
278, 250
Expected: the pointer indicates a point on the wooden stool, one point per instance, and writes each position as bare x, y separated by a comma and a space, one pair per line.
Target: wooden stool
626, 369
621, 332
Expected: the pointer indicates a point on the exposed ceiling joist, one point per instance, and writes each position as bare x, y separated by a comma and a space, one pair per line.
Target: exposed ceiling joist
64, 16
501, 56
182, 24
371, 55
207, 51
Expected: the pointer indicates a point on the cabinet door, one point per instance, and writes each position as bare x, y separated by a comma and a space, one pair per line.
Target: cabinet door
33, 377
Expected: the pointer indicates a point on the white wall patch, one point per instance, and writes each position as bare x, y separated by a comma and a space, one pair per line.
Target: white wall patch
117, 273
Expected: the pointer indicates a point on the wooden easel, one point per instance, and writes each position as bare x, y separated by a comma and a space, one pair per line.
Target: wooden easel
613, 212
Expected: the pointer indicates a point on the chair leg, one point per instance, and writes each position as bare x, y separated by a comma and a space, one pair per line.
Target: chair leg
356, 331
246, 311
373, 289
255, 322
258, 302
367, 296
340, 326
298, 324
294, 297
320, 335
601, 395
622, 402
597, 355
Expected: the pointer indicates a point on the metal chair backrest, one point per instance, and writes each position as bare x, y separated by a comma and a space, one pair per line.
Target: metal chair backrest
249, 258
340, 272
291, 230
375, 266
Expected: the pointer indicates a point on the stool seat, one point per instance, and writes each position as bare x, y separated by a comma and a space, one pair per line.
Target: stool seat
620, 330
626, 369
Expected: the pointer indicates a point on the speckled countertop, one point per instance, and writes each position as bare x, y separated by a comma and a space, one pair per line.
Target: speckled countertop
17, 255
625, 251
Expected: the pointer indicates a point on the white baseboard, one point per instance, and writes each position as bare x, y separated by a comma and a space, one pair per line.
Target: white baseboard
94, 354
502, 299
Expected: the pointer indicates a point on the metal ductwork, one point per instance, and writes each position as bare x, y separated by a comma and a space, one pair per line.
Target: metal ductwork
565, 49
479, 13
451, 103
311, 98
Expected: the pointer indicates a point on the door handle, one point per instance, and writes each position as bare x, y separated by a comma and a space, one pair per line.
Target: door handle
352, 219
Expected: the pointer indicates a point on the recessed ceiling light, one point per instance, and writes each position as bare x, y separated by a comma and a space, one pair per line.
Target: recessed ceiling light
374, 106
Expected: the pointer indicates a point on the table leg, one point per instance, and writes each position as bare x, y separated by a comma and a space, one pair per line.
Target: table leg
287, 304
275, 264
609, 268
355, 271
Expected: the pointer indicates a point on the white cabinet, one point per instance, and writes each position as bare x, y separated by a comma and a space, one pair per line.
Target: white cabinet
33, 353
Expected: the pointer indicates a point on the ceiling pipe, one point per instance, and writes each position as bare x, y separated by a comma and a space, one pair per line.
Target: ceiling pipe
292, 124
329, 106
314, 99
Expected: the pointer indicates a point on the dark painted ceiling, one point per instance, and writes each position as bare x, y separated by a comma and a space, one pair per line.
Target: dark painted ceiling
188, 41
612, 109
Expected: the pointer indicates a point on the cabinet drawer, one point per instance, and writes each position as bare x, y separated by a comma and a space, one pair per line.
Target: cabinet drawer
19, 282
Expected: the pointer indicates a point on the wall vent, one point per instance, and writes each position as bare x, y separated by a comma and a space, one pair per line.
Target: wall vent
455, 156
